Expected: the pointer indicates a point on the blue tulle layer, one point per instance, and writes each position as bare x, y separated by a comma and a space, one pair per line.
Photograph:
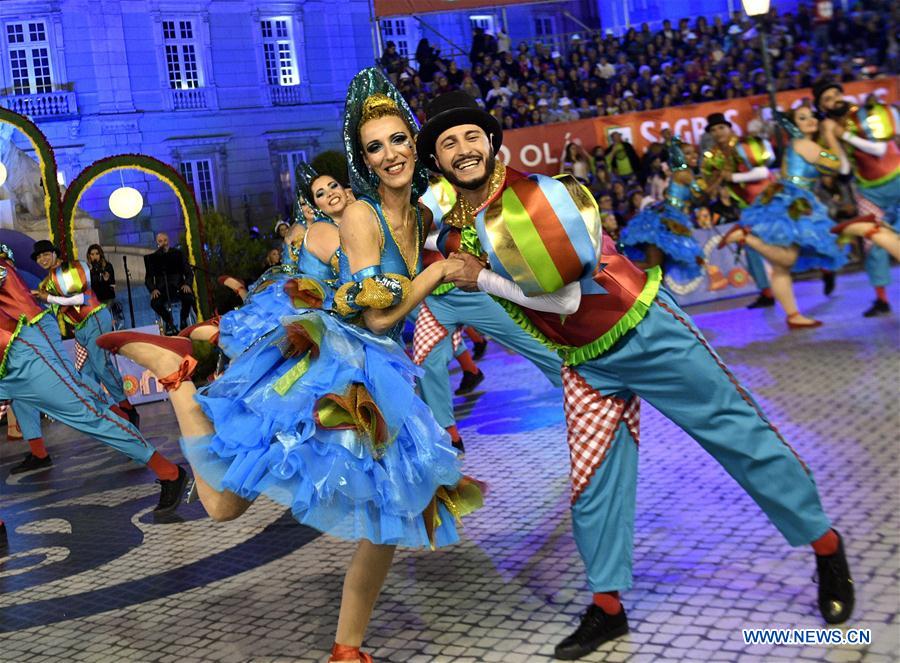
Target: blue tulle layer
332, 480
682, 252
260, 313
771, 222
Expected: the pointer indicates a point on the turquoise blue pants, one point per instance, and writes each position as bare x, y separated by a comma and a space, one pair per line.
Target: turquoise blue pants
478, 310
887, 197
756, 268
667, 362
38, 380
99, 365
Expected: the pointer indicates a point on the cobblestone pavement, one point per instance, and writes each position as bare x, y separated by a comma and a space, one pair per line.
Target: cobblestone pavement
90, 577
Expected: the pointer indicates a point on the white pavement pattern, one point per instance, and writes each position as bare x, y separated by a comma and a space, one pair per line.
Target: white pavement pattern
90, 577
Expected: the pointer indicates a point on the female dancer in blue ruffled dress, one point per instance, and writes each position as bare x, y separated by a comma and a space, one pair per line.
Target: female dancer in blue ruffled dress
661, 234
787, 224
321, 415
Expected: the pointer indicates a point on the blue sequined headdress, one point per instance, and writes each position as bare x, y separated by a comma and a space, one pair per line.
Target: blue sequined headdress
676, 154
372, 96
303, 176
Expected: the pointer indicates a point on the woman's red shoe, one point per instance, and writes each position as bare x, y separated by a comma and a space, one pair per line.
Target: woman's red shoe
345, 653
114, 341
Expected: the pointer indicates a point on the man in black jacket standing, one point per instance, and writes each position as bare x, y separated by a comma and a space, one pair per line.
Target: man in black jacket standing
169, 279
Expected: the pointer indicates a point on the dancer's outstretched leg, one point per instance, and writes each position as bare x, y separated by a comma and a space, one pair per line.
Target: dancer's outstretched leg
782, 258
169, 359
879, 234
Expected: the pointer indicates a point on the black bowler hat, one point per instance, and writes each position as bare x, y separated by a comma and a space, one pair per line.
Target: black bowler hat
821, 87
716, 118
42, 246
450, 110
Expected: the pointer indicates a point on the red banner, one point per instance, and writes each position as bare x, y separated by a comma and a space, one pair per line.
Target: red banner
538, 149
407, 7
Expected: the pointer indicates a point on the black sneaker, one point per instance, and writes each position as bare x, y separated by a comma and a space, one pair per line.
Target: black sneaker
878, 307
762, 302
32, 463
469, 382
480, 349
828, 280
460, 447
836, 596
596, 628
171, 493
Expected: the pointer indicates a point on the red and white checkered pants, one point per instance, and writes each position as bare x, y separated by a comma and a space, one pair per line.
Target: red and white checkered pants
429, 332
592, 420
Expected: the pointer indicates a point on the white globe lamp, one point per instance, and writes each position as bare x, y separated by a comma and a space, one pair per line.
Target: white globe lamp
126, 202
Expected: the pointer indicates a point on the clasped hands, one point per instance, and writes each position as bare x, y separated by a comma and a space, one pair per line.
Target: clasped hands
462, 269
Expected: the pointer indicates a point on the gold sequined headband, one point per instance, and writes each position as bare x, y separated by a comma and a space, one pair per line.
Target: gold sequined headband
378, 106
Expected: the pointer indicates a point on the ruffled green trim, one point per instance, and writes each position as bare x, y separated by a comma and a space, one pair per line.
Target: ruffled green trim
443, 289
22, 321
625, 324
573, 355
868, 184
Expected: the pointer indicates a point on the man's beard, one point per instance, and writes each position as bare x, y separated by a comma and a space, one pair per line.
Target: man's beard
473, 185
840, 109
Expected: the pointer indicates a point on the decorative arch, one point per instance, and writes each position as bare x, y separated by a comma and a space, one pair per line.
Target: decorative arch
59, 232
193, 222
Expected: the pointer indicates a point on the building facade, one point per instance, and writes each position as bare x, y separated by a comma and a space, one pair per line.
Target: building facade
232, 93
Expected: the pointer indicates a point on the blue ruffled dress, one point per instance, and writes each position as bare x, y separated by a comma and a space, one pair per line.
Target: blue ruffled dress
789, 214
268, 301
335, 431
668, 227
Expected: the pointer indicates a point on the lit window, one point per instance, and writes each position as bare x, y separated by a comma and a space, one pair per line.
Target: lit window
29, 57
199, 176
278, 52
182, 65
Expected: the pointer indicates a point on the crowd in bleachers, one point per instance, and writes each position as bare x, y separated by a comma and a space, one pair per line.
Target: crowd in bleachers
597, 74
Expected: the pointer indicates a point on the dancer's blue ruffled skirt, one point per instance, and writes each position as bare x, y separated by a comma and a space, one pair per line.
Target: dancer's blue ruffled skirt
267, 303
667, 228
793, 216
338, 434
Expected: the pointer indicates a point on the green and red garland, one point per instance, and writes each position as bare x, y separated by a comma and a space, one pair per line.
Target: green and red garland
59, 233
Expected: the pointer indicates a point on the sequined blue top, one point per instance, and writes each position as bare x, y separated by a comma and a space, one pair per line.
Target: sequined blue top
392, 261
801, 172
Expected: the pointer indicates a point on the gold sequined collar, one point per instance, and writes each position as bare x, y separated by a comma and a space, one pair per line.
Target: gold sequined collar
463, 213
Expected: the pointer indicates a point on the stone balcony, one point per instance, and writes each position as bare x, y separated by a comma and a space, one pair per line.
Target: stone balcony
285, 95
43, 106
191, 100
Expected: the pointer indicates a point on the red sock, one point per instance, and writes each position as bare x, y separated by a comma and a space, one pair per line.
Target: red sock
767, 292
467, 363
881, 293
162, 467
37, 447
608, 602
454, 433
473, 334
827, 544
